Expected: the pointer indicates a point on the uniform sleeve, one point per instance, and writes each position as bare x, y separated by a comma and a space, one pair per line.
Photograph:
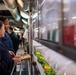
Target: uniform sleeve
8, 42
6, 62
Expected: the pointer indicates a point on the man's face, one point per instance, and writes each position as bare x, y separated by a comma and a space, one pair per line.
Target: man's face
6, 24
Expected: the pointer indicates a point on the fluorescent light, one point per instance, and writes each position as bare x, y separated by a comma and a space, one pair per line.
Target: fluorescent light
17, 28
35, 15
74, 17
24, 15
24, 21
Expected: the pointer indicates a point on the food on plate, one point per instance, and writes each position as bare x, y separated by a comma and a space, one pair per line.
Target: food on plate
25, 57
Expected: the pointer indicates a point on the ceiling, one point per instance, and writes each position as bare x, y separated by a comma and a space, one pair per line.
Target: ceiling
15, 14
5, 12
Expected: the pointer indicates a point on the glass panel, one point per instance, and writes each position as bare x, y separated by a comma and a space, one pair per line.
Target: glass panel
35, 32
69, 28
48, 20
35, 21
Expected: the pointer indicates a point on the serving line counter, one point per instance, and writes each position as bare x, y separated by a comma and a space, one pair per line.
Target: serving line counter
61, 64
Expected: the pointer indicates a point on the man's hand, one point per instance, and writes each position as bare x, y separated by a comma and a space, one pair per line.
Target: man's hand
18, 56
16, 60
12, 53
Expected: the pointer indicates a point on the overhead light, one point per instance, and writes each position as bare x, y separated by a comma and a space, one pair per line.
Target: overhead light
24, 21
17, 28
35, 15
24, 15
74, 17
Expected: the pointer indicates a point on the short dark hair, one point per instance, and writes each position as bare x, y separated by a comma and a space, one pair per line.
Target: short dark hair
2, 18
1, 23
